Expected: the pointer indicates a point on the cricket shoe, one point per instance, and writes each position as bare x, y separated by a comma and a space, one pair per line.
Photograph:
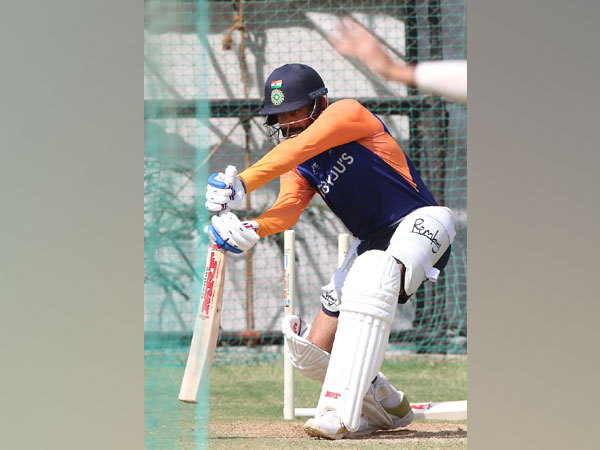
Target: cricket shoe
374, 417
328, 425
400, 415
384, 408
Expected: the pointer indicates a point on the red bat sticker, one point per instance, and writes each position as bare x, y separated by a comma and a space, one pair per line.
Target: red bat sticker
421, 405
332, 394
209, 284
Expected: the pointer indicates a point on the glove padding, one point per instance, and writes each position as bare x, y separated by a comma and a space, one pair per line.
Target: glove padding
220, 194
231, 234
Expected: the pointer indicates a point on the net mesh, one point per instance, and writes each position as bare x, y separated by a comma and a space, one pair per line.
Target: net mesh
205, 67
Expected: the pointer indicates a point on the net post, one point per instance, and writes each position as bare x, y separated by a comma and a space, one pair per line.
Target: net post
289, 307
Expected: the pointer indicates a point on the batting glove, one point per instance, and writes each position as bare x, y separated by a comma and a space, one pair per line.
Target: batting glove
231, 234
220, 194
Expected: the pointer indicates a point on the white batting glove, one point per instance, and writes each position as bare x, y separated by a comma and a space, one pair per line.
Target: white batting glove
220, 194
231, 234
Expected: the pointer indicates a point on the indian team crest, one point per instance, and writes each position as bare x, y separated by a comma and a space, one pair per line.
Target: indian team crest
277, 97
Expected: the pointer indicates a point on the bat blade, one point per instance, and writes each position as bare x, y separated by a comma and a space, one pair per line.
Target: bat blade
206, 328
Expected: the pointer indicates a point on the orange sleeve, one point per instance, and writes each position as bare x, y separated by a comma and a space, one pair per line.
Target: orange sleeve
342, 122
294, 196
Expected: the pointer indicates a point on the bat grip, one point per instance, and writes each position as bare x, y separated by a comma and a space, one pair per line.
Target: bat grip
230, 174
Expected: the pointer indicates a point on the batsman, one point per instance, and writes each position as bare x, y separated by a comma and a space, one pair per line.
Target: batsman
345, 154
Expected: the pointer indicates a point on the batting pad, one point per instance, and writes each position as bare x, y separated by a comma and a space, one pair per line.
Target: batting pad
305, 356
369, 299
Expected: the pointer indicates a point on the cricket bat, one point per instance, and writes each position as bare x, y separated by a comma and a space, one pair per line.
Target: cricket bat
208, 319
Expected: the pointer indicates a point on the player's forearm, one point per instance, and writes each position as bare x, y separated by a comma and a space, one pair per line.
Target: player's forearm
403, 74
277, 220
294, 196
283, 158
445, 78
282, 216
275, 163
269, 226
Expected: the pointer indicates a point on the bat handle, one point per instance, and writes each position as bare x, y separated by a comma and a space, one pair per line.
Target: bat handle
230, 174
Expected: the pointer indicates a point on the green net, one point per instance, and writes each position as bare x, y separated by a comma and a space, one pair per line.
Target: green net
175, 146
205, 67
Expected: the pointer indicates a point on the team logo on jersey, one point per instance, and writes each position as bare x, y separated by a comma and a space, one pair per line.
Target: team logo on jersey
315, 168
336, 171
277, 97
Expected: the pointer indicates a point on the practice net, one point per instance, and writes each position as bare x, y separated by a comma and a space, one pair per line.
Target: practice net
205, 64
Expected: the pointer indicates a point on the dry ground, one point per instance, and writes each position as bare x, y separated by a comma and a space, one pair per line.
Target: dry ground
272, 435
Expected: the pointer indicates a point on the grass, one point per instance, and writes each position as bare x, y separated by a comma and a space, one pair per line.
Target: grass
245, 398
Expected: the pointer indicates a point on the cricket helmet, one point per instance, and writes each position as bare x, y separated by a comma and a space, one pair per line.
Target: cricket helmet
290, 87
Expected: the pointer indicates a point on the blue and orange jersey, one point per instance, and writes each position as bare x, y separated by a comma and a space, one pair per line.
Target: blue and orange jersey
350, 159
